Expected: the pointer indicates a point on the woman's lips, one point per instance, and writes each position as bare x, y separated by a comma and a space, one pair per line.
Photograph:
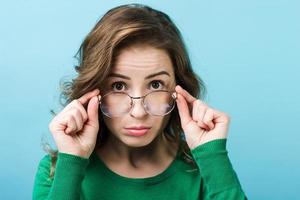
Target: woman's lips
136, 131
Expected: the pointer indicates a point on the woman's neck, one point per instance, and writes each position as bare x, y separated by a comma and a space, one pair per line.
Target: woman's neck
128, 161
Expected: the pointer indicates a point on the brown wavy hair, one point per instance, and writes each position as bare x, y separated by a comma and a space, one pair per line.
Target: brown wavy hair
119, 28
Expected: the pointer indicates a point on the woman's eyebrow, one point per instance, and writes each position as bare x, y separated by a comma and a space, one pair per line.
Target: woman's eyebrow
147, 77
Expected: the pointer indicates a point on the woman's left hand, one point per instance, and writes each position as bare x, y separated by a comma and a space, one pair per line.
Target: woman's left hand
199, 122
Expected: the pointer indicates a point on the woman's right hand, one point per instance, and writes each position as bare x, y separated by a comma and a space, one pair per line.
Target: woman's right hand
74, 129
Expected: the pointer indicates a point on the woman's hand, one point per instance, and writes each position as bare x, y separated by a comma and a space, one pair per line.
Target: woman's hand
199, 122
74, 129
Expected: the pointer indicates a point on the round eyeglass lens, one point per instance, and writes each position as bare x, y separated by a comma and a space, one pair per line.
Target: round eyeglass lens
115, 104
159, 103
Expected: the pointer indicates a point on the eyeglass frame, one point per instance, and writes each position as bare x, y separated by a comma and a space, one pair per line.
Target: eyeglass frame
172, 93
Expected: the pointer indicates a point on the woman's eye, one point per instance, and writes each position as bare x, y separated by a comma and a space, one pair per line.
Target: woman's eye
118, 86
157, 84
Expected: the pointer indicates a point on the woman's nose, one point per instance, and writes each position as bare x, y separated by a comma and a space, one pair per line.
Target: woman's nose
138, 110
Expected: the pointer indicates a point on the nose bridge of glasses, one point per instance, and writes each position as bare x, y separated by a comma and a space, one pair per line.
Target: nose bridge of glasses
141, 97
136, 98
133, 104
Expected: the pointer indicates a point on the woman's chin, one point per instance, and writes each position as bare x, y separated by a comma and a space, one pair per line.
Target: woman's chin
136, 141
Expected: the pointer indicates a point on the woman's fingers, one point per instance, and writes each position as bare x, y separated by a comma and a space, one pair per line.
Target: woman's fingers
81, 109
78, 116
76, 127
74, 115
70, 123
92, 111
208, 118
78, 119
190, 99
86, 97
183, 101
73, 121
200, 112
200, 122
80, 102
184, 112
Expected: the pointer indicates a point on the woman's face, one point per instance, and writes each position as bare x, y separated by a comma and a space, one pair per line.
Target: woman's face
138, 70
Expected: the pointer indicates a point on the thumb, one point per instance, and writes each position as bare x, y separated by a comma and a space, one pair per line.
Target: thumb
92, 111
183, 109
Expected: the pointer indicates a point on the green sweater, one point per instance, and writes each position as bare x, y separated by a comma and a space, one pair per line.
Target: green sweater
79, 178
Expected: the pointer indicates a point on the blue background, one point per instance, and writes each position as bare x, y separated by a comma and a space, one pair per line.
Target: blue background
247, 52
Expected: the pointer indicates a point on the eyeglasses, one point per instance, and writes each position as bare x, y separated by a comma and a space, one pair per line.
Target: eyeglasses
157, 103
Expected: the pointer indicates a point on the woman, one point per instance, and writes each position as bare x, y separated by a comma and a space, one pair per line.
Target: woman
134, 126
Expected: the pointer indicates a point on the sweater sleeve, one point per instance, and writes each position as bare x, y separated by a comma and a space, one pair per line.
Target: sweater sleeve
218, 176
66, 183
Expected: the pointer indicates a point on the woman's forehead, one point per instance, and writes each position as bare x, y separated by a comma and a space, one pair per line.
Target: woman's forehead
141, 74
131, 69
142, 58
